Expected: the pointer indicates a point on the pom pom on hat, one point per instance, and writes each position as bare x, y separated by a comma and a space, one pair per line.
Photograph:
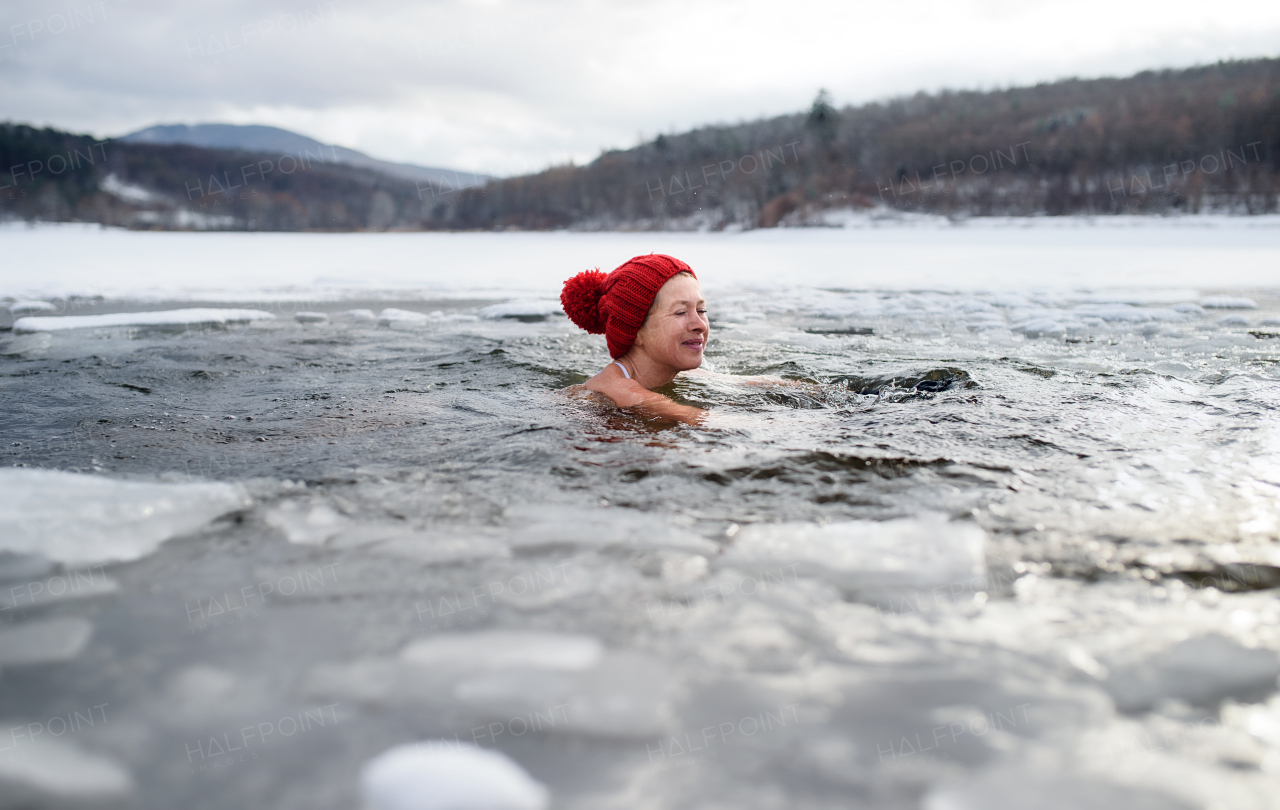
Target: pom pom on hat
581, 300
616, 304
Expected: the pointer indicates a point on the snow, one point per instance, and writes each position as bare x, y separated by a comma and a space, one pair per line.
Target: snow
76, 518
443, 775
1049, 252
173, 317
116, 187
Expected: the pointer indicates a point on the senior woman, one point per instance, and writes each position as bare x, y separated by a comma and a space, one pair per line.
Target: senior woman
654, 319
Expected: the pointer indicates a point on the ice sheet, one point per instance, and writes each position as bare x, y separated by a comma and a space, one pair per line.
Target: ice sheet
175, 317
993, 254
440, 775
80, 519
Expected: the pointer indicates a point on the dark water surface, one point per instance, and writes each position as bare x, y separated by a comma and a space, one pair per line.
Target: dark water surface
1000, 550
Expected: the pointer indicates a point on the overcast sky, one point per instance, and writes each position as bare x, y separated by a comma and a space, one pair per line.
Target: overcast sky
509, 87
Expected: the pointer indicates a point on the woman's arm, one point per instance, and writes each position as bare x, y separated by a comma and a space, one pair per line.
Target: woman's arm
631, 394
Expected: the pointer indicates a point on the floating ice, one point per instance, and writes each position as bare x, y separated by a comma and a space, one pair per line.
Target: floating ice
50, 641
866, 556
23, 566
548, 525
1202, 670
436, 547
173, 317
499, 674
305, 523
310, 317
499, 649
392, 315
522, 310
1123, 313
1041, 327
448, 776
359, 315
1188, 308
77, 519
1233, 320
1017, 788
1227, 302
52, 774
20, 308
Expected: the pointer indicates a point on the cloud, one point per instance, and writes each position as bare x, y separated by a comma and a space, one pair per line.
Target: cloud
507, 87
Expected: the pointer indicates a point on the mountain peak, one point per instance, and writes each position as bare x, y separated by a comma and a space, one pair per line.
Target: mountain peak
260, 138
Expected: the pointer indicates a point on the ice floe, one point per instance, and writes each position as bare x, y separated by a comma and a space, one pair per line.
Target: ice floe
173, 317
443, 775
550, 525
20, 308
392, 315
48, 641
78, 519
497, 649
1203, 670
867, 557
57, 775
556, 682
522, 310
1228, 302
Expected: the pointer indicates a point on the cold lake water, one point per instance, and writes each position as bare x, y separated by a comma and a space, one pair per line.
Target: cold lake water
273, 504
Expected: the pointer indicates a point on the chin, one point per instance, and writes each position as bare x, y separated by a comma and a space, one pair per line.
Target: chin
687, 363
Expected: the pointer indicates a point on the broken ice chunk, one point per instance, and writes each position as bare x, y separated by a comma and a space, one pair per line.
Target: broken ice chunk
50, 774
496, 649
305, 523
82, 519
1202, 670
448, 776
867, 557
44, 642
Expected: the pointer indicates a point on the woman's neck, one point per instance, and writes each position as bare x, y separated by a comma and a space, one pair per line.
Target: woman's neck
645, 370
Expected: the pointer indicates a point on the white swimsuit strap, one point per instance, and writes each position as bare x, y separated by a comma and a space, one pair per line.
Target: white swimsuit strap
624, 369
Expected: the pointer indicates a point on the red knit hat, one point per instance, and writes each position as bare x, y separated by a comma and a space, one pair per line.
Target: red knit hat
615, 304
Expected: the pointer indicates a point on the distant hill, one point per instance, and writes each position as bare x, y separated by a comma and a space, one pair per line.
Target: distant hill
1171, 141
262, 139
59, 176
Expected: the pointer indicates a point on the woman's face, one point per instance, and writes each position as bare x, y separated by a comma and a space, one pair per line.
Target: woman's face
675, 332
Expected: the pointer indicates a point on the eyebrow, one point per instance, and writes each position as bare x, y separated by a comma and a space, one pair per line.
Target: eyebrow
686, 302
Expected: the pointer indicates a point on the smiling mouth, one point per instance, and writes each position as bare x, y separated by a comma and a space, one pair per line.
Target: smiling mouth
694, 344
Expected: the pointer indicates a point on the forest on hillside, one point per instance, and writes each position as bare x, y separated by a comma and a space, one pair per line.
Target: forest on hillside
1205, 138
1185, 141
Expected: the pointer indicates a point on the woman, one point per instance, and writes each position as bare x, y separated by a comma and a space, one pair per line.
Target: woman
654, 318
